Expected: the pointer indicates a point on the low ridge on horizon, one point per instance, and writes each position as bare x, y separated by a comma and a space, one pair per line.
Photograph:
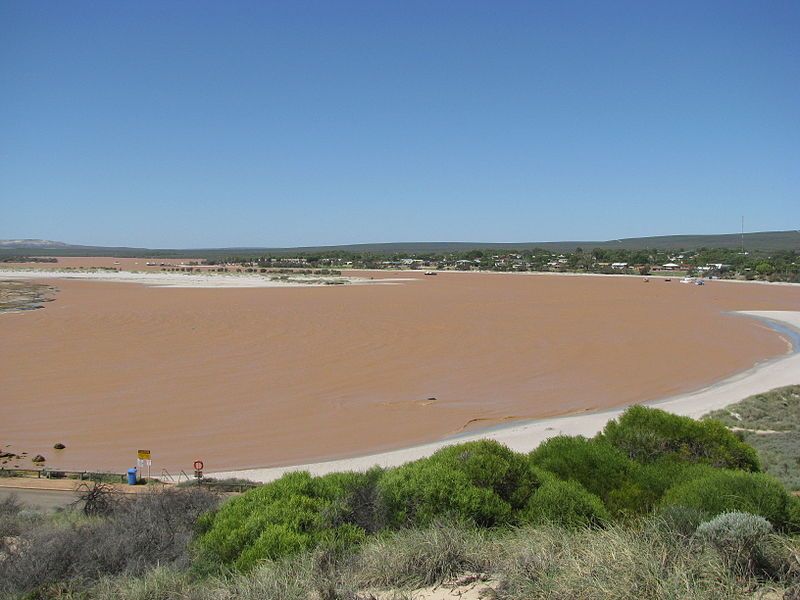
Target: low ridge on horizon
761, 240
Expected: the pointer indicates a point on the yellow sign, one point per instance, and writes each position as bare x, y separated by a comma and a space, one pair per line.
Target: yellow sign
144, 454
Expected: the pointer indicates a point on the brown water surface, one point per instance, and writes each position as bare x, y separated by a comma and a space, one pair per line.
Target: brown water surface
269, 376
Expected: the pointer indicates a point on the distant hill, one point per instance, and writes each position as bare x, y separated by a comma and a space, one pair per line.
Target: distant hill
27, 244
763, 241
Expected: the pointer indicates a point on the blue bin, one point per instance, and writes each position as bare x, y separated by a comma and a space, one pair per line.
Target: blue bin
132, 476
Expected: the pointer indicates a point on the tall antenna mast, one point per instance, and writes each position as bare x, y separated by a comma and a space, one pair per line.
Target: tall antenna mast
742, 234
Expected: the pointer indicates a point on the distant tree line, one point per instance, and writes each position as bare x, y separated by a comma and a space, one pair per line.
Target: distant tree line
781, 265
26, 259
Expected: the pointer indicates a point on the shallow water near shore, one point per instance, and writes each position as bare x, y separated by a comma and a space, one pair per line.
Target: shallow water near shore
790, 333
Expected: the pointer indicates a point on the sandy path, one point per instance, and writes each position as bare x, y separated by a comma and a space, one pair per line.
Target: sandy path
524, 438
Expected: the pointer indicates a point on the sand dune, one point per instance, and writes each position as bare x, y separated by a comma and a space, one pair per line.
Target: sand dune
259, 377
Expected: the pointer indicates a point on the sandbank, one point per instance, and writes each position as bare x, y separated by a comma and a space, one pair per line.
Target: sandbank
191, 280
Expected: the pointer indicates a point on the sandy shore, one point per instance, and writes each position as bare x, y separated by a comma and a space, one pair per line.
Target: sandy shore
525, 437
191, 280
247, 377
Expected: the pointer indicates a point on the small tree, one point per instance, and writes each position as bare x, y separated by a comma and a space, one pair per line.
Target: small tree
98, 498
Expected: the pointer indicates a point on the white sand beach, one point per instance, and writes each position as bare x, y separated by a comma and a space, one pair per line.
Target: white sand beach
194, 280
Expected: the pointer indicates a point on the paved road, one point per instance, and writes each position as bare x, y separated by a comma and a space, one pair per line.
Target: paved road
41, 499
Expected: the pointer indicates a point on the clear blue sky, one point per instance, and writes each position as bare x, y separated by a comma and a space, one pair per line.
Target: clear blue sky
195, 124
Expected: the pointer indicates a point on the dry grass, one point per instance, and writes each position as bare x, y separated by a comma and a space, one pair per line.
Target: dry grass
638, 561
616, 563
420, 557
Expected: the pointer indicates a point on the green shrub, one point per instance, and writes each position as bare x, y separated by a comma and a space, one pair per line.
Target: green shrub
600, 468
793, 513
655, 478
721, 491
282, 518
417, 493
648, 434
489, 464
736, 536
482, 482
680, 520
361, 505
566, 503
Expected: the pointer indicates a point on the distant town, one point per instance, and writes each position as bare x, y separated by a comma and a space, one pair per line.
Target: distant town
761, 256
712, 263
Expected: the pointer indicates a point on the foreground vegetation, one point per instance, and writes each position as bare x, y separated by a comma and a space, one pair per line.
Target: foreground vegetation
651, 558
655, 506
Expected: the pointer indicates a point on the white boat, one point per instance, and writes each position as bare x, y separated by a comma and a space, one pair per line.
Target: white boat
687, 280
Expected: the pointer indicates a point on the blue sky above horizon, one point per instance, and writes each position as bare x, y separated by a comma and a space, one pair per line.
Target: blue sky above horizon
199, 124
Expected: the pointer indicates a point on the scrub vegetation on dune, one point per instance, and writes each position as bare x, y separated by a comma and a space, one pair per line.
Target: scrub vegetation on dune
770, 423
655, 506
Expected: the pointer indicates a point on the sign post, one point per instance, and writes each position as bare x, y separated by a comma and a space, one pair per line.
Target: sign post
143, 456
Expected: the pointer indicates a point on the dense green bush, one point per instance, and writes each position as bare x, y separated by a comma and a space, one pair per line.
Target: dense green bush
565, 503
600, 468
655, 478
721, 491
793, 512
647, 434
483, 482
573, 481
489, 464
361, 504
284, 517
